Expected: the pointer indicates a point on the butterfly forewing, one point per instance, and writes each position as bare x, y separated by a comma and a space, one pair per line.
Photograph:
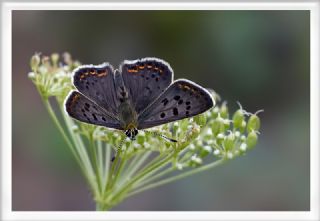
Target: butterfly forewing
145, 79
96, 83
83, 109
181, 100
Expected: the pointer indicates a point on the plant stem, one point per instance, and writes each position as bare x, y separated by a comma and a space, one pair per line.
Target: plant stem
81, 150
141, 175
95, 163
107, 163
57, 123
136, 163
152, 178
177, 177
100, 160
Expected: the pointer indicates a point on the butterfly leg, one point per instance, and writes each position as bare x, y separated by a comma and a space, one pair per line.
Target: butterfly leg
118, 149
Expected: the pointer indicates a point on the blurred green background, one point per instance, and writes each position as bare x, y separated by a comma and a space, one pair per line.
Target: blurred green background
260, 58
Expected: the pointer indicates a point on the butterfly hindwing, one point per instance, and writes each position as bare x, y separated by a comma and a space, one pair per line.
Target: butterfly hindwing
83, 109
145, 79
96, 82
181, 100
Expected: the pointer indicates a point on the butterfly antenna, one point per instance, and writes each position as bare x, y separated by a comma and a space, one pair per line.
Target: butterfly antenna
118, 149
155, 133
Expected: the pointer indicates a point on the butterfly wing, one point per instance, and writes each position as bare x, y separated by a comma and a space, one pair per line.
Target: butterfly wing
97, 83
83, 109
145, 79
181, 100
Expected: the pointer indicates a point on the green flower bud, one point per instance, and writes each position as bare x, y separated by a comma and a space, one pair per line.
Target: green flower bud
253, 123
205, 150
175, 127
34, 62
238, 118
55, 59
200, 119
140, 138
224, 112
214, 112
252, 139
218, 126
229, 142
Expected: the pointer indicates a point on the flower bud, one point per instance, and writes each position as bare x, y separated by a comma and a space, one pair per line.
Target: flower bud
218, 126
229, 142
34, 62
196, 160
31, 75
205, 150
67, 58
216, 152
253, 123
224, 112
238, 119
200, 119
243, 147
229, 155
140, 139
45, 61
214, 112
252, 139
55, 59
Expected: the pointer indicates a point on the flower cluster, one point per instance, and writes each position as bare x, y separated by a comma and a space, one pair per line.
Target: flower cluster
204, 141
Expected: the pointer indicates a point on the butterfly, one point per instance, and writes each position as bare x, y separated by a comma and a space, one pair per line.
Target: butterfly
140, 94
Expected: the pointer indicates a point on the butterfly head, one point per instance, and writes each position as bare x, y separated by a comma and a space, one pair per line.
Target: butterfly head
131, 133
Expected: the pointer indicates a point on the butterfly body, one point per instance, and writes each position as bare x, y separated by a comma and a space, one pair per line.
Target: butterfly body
139, 95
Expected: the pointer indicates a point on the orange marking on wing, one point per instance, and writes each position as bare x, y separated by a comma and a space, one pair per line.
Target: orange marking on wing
149, 66
132, 70
156, 68
141, 67
74, 99
104, 73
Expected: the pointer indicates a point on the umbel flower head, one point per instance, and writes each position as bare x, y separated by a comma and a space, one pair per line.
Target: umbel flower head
204, 141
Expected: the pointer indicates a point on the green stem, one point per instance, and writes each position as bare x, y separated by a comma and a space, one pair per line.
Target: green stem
150, 168
100, 159
111, 173
152, 178
107, 163
95, 163
81, 150
57, 123
135, 164
178, 177
122, 163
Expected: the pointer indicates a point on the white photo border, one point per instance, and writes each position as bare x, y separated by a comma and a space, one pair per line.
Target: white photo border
6, 212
